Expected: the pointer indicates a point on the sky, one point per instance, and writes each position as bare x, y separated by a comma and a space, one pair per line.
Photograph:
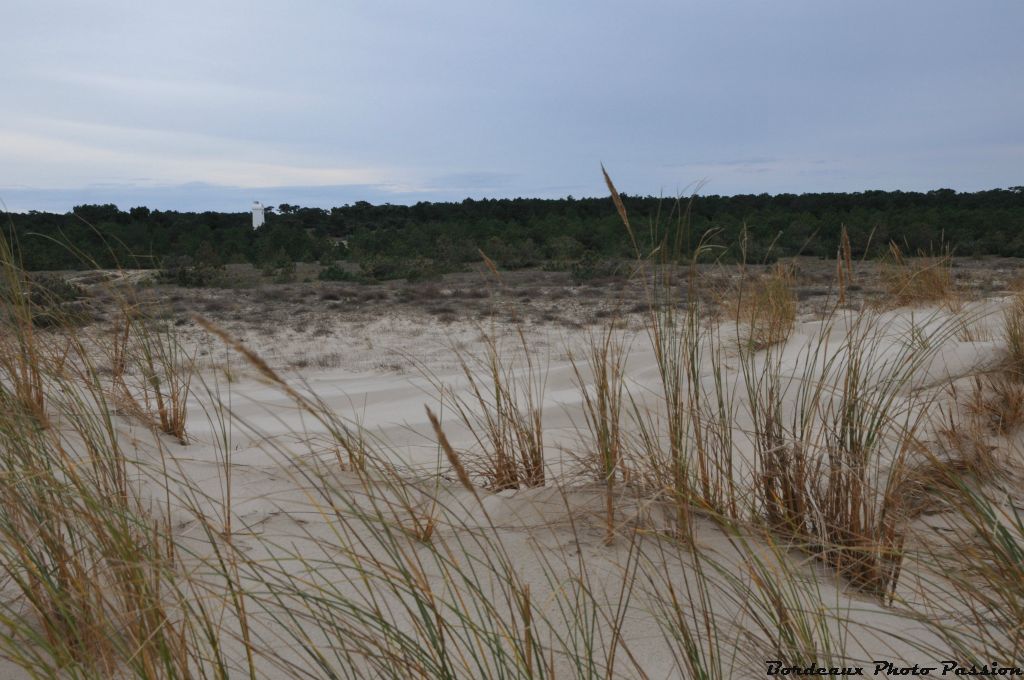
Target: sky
210, 105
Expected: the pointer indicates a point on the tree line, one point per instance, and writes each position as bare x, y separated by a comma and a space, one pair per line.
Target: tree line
386, 240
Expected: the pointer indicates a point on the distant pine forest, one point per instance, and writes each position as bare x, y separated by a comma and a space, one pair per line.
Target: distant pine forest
394, 241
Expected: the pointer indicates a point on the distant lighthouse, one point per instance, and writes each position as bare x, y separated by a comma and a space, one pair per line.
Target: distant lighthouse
257, 214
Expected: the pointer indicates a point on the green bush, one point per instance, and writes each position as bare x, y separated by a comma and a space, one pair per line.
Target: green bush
389, 268
591, 267
285, 273
336, 273
185, 272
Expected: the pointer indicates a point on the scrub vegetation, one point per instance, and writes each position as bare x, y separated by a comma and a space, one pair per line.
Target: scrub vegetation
581, 236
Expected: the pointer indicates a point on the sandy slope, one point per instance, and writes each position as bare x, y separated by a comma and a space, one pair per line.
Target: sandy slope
391, 403
552, 534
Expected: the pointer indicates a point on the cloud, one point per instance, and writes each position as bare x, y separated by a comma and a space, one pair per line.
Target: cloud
68, 154
168, 90
508, 98
473, 180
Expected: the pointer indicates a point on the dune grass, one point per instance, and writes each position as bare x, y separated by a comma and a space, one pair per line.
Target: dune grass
602, 388
501, 410
925, 279
1013, 334
152, 372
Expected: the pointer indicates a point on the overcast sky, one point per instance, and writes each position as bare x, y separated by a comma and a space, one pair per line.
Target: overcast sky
209, 105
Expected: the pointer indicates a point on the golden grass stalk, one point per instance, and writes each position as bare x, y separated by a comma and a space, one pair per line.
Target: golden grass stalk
450, 453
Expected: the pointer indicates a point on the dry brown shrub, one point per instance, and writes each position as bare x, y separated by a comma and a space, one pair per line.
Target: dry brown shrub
766, 305
925, 279
997, 401
1013, 334
963, 452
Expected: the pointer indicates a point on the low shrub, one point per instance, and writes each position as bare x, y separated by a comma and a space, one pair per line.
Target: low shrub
335, 272
592, 267
767, 305
187, 273
389, 268
927, 278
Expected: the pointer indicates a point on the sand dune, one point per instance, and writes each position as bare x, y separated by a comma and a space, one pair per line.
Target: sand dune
554, 534
321, 528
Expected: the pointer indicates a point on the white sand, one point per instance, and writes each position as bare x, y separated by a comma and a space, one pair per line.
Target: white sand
380, 382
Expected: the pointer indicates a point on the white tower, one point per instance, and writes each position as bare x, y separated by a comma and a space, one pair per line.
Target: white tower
257, 214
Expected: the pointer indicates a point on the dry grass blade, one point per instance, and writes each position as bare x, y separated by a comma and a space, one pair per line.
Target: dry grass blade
844, 264
491, 266
616, 199
450, 453
620, 207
